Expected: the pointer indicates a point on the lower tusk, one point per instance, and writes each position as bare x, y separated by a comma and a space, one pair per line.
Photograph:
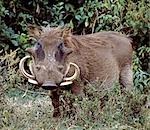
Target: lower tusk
32, 81
75, 75
66, 83
21, 67
46, 84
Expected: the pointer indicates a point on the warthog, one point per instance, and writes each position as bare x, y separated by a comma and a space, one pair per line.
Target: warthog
61, 59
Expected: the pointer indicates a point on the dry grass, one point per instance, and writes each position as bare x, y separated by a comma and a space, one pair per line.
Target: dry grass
22, 109
34, 112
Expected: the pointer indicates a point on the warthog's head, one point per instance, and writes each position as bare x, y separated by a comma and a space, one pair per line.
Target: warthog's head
49, 66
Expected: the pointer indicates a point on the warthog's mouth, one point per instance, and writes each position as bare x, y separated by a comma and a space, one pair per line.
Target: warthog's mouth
47, 84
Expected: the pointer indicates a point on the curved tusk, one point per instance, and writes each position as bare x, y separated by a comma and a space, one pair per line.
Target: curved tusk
21, 67
32, 81
75, 75
66, 83
30, 68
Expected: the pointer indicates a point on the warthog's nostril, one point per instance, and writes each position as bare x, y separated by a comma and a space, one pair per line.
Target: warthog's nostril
49, 83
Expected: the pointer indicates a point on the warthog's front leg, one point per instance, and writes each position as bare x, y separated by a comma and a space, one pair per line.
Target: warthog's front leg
55, 102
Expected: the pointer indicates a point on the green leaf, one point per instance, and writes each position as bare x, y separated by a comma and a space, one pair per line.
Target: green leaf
14, 42
78, 17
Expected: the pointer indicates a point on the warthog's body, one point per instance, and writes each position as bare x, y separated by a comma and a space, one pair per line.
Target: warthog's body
103, 56
106, 56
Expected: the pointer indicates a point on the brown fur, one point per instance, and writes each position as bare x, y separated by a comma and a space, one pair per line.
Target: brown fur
103, 55
106, 56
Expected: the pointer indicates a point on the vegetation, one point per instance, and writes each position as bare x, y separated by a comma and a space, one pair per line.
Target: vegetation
23, 107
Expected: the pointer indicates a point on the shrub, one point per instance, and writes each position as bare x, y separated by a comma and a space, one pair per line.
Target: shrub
83, 16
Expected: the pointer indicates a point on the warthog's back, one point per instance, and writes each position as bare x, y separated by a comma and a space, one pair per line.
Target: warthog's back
101, 55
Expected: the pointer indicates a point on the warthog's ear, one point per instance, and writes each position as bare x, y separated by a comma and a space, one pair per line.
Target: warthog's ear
34, 31
66, 32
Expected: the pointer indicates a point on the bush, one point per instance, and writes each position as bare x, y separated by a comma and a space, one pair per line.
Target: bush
83, 16
141, 78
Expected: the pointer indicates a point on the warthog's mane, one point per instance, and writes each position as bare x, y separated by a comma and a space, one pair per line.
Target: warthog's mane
101, 39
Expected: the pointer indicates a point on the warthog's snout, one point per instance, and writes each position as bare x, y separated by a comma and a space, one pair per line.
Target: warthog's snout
44, 81
49, 85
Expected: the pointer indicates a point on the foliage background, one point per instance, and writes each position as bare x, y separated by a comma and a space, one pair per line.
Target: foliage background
82, 16
131, 17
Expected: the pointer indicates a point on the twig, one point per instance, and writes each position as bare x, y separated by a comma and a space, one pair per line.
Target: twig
25, 92
29, 91
94, 23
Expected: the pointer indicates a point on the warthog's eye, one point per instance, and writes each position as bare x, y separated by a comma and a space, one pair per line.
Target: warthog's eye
39, 51
62, 52
38, 45
60, 46
59, 55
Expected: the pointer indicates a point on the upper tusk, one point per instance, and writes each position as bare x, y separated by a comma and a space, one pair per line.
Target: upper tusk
75, 75
30, 68
21, 67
